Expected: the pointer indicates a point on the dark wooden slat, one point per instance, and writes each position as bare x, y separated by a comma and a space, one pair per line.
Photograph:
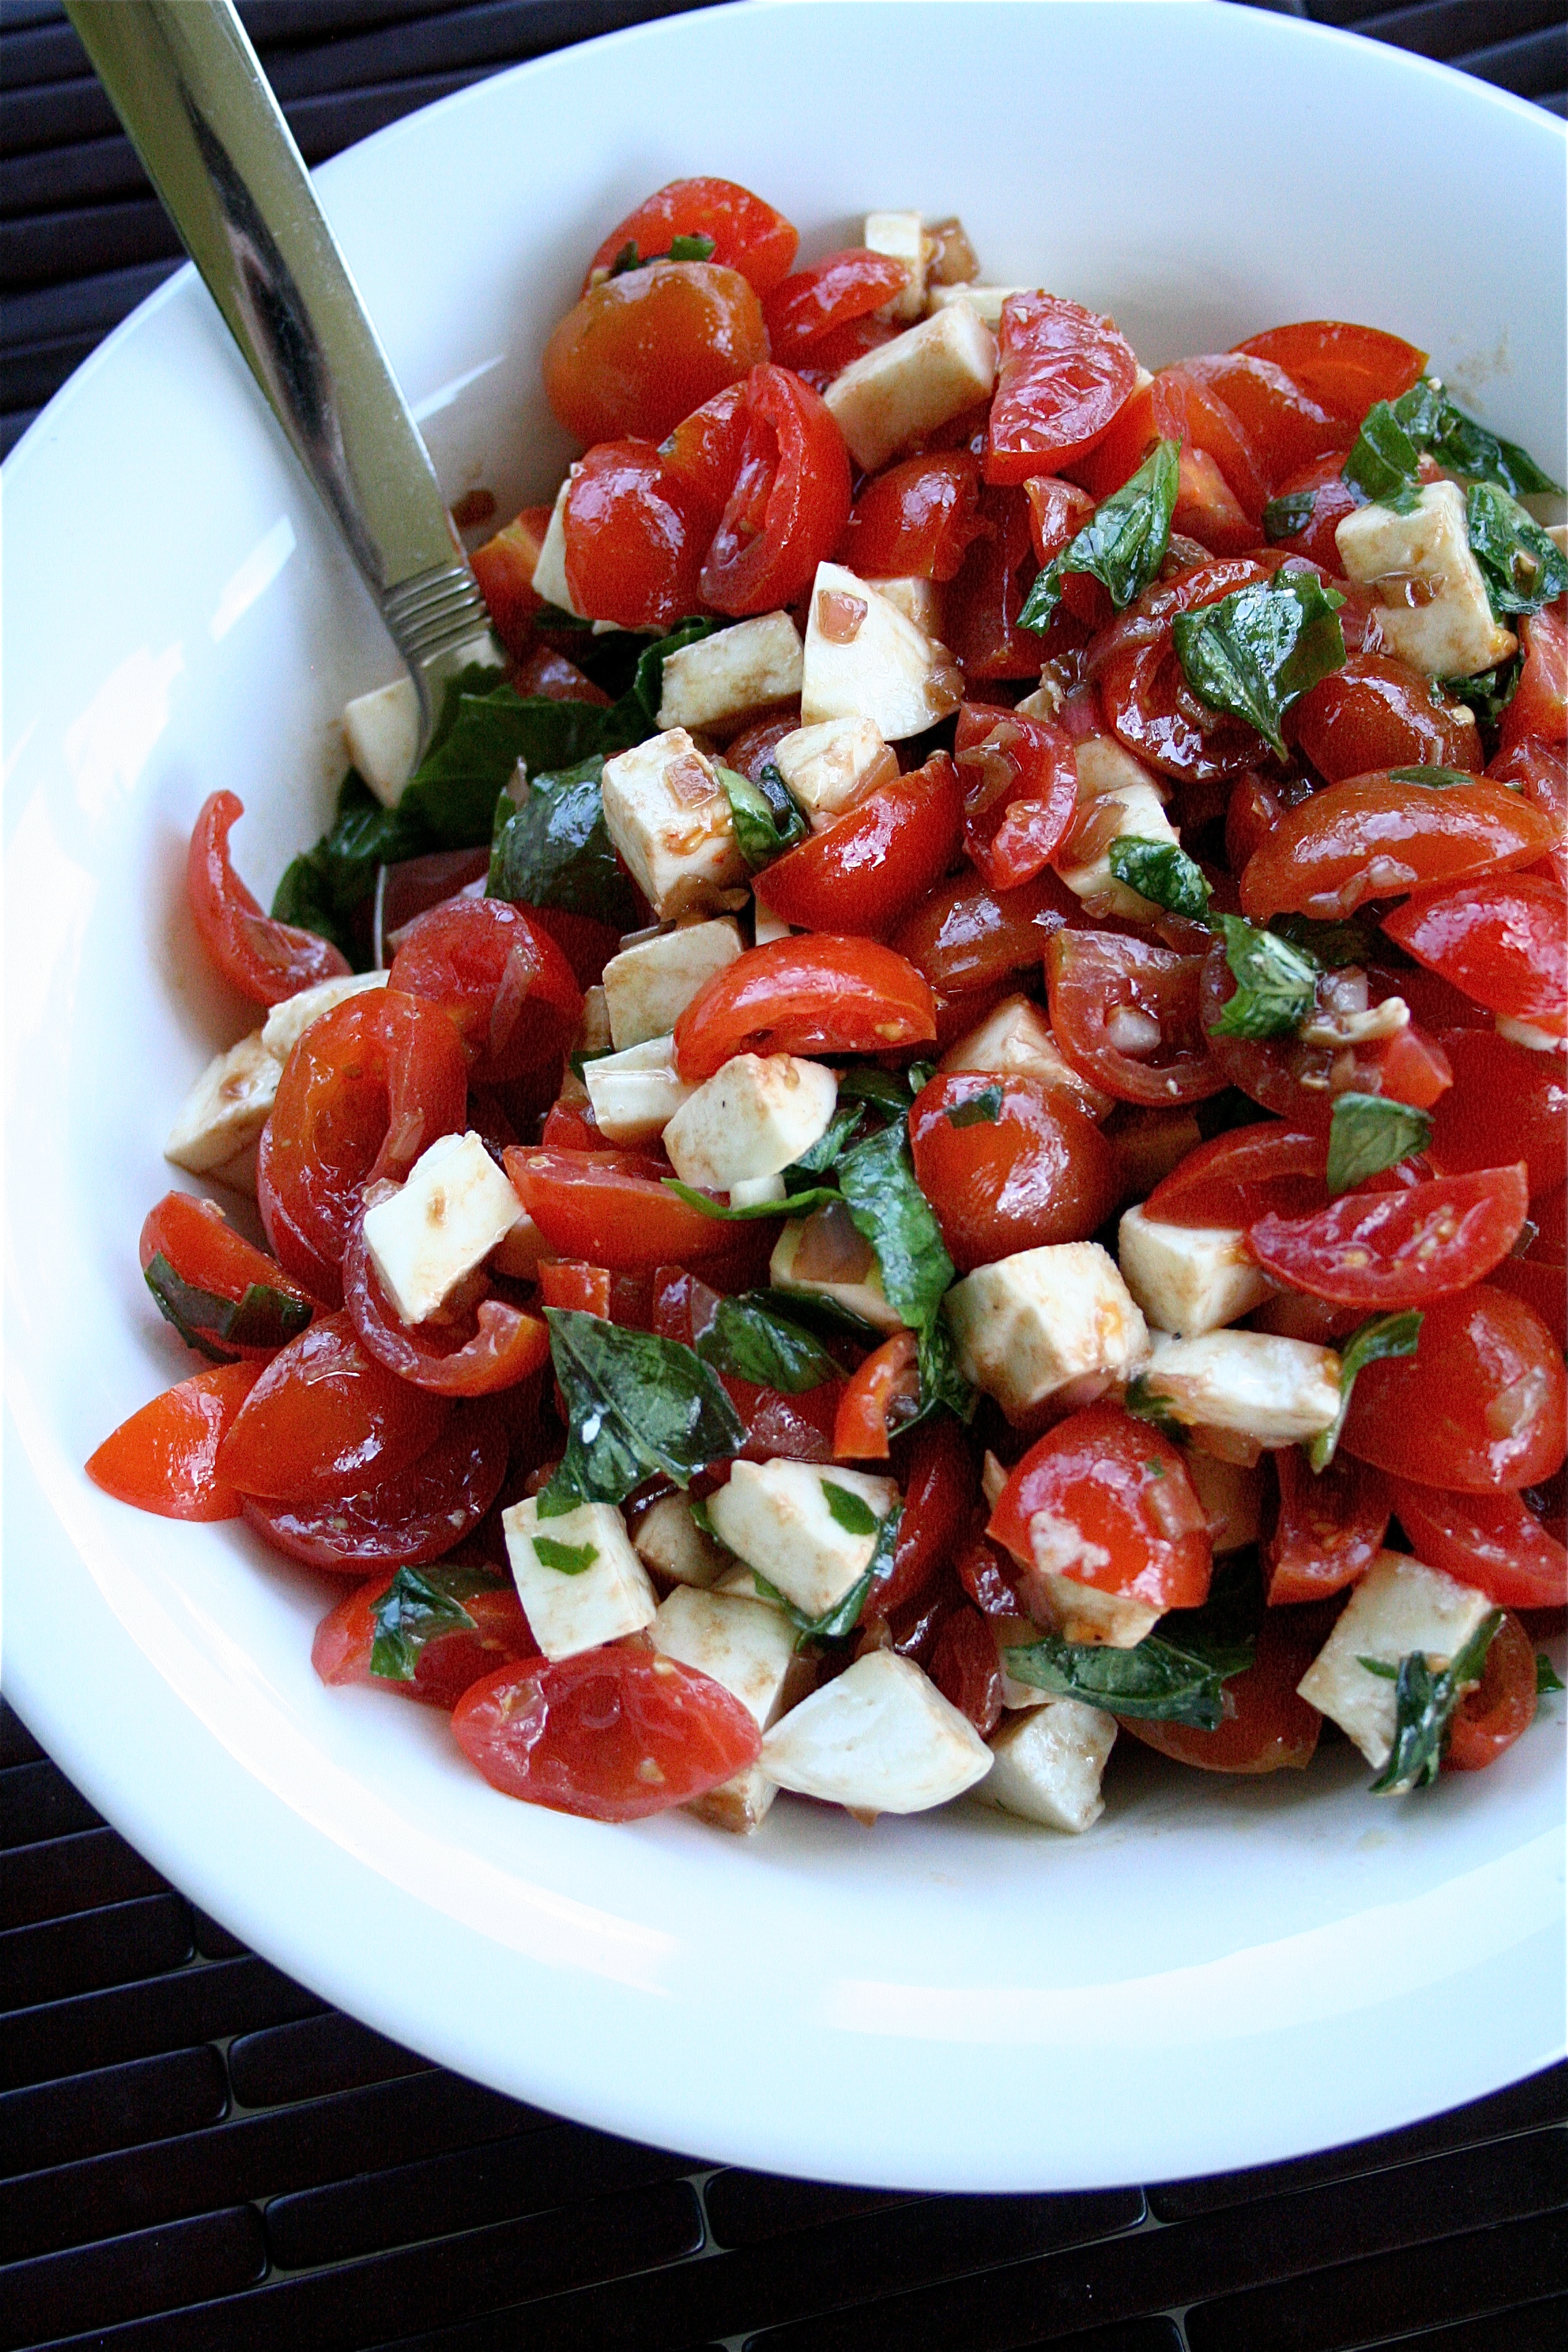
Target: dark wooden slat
13, 422
112, 1945
214, 1942
1539, 61
136, 2021
1445, 29
312, 2057
1541, 2327
38, 1802
17, 1745
72, 1874
86, 2115
744, 2208
158, 2270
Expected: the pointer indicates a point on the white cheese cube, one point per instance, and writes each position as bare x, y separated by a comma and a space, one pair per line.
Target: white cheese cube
1015, 1041
286, 1022
1232, 1495
751, 1118
1124, 812
520, 1253
1080, 1611
668, 814
1012, 1633
669, 1540
647, 987
895, 395
1525, 1034
1046, 1764
594, 1034
766, 926
749, 1649
825, 1255
440, 1225
1274, 1392
985, 301
1399, 1607
222, 1117
637, 1093
1454, 635
1104, 765
1188, 1278
882, 1738
1028, 1324
381, 731
831, 766
902, 238
550, 570
776, 1516
864, 659
918, 600
600, 1595
722, 680
752, 1191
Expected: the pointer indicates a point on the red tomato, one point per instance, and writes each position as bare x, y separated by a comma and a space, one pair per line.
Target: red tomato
1377, 712
840, 348
1105, 1500
493, 1347
1059, 510
704, 450
504, 568
830, 293
1480, 1405
265, 961
165, 1458
941, 1486
964, 1668
549, 676
1331, 1526
1062, 375
747, 234
794, 1428
1503, 941
1285, 427
819, 995
1507, 1103
1539, 772
612, 1208
634, 535
1144, 695
865, 870
197, 1241
1175, 406
915, 521
885, 1390
1034, 1171
966, 938
1344, 367
1372, 837
988, 1576
1540, 704
369, 1086
753, 748
1268, 1726
640, 351
1301, 1083
981, 602
1126, 1015
615, 1733
1252, 811
1020, 792
1251, 1173
416, 1515
1383, 1250
501, 977
586, 943
790, 502
446, 1663
325, 1419
1493, 1541
1500, 1710
1206, 508
1333, 500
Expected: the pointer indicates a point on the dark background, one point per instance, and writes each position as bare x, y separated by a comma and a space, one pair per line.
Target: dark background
197, 2152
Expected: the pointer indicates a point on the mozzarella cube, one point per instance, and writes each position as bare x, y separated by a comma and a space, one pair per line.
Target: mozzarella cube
381, 731
777, 1516
1188, 1278
1080, 1611
1015, 1040
600, 1595
550, 571
1273, 1391
1525, 1034
520, 1253
1046, 1764
901, 237
722, 680
985, 301
1454, 635
898, 393
752, 1191
751, 1118
668, 1539
918, 600
440, 1225
1232, 1495
1398, 1606
647, 987
882, 1738
669, 815
766, 926
1012, 1633
864, 659
748, 1648
637, 1093
1104, 765
831, 766
825, 1255
286, 1022
1125, 812
222, 1117
1028, 1324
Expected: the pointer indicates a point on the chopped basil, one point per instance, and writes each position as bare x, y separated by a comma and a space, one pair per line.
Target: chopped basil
1425, 1705
262, 1317
1488, 694
1547, 1678
982, 1109
835, 1624
757, 1336
1368, 1133
1356, 940
1122, 544
634, 1404
766, 820
323, 889
681, 248
418, 1605
941, 1382
1435, 779
797, 1205
1380, 1336
1283, 518
1254, 652
1385, 463
1275, 983
824, 1153
1172, 1677
570, 1560
1161, 873
554, 850
1150, 1405
1520, 564
889, 1210
848, 1510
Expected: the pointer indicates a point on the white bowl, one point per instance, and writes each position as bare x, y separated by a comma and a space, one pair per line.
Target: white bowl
1222, 1973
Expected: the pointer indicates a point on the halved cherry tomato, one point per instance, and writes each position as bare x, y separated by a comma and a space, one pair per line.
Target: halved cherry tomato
942, 1487
165, 1458
504, 568
915, 521
1333, 500
865, 871
197, 1242
1208, 509
325, 1419
416, 1515
1507, 1103
964, 1668
1383, 1250
1502, 1707
1059, 510
1504, 940
615, 1733
839, 348
1539, 706
1105, 1500
1378, 713
265, 960
1302, 1082
790, 502
1480, 1405
1329, 1530
1268, 1726
493, 1347
573, 1282
640, 351
1251, 1173
1493, 1541
800, 309
818, 994
446, 1663
635, 532
1008, 1164
704, 450
549, 676
988, 1575
1284, 425
585, 942
748, 233
886, 1389
1062, 375
1345, 367
613, 1209
1020, 792
501, 977
1177, 406
981, 602
1144, 694
1372, 836
1126, 1014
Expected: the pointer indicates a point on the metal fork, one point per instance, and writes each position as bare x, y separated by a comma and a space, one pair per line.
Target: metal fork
190, 91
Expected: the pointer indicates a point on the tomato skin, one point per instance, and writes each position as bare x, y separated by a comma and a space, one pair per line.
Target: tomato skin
1540, 705
503, 1347
325, 1419
845, 286
964, 1668
1093, 976
636, 531
504, 568
1493, 1541
748, 233
1143, 693
1377, 712
613, 1733
1301, 1083
942, 1487
639, 353
981, 602
196, 1239
1251, 1173
1502, 1707
1329, 1530
816, 995
1344, 366
1059, 510
1479, 1406
1020, 792
704, 450
886, 1382
790, 502
1117, 1483
415, 1516
1039, 1172
1268, 1727
446, 1663
915, 521
866, 870
1508, 1102
1286, 426
840, 347
1333, 500
1500, 939
1372, 837
163, 1459
265, 960
1062, 373
1386, 1250
612, 1209
550, 676
498, 974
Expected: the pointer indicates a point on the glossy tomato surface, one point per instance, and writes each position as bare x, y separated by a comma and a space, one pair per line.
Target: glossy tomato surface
640, 351
820, 994
265, 960
408, 1517
1404, 1248
325, 1419
1479, 1406
1008, 1164
1104, 1500
1063, 373
1268, 1727
165, 1458
749, 235
866, 870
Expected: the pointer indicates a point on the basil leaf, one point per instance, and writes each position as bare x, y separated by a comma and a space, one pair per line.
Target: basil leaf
983, 1109
1275, 983
1425, 1705
681, 248
1173, 1676
322, 887
554, 850
634, 1404
755, 1337
795, 1205
941, 1382
418, 1605
262, 1317
1521, 567
1380, 1336
1161, 873
1488, 694
452, 792
835, 1624
1385, 463
1381, 1667
1458, 442
628, 257
1122, 544
1149, 1405
889, 1211
570, 1560
1547, 1678
824, 1152
766, 818
1368, 1133
1435, 779
1356, 940
848, 1510
1257, 651
1283, 518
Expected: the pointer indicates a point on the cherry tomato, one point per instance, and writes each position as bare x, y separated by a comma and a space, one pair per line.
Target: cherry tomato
369, 1086
1539, 771
1251, 1173
790, 502
845, 285
988, 1575
1178, 405
1502, 1707
547, 676
794, 1428
1126, 1015
1302, 1082
1020, 792
493, 1347
1507, 1103
636, 531
640, 351
1374, 837
197, 1242
265, 960
1503, 941
747, 234
1144, 694
1377, 712
1493, 1541
1268, 1726
412, 1516
1345, 367
613, 1209
616, 1734
446, 1663
839, 348
1106, 1501
325, 1419
817, 995
1285, 427
704, 450
501, 977
966, 938
1062, 375
504, 567
985, 595
915, 521
884, 1391
1329, 1530
964, 1668
1480, 1405
1058, 511
1206, 508
1539, 1274
1539, 707
942, 1487
586, 943
865, 870
1333, 500
1252, 811
165, 1458
1008, 1164
1383, 1250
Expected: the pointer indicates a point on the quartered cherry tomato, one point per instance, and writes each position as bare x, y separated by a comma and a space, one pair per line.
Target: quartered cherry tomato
1329, 1530
501, 977
1502, 939
640, 351
1062, 373
1332, 499
265, 960
447, 1663
1507, 1102
748, 233
966, 936
884, 1391
635, 534
1345, 367
982, 603
1374, 836
1145, 696
1020, 792
1268, 1727
816, 995
165, 1458
1378, 713
504, 567
964, 1668
1500, 1710
615, 1209
786, 511
942, 1489
1126, 1014
865, 871
1176, 407
325, 1419
1285, 426
493, 1346
1247, 1174
1479, 1406
201, 1249
1493, 1541
1383, 1250
549, 676
915, 521
845, 286
1008, 1164
1103, 1499
1302, 1082
410, 1517
704, 450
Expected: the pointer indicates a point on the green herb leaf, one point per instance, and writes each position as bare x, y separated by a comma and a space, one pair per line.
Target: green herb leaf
1547, 1678
691, 249
823, 1154
1150, 1405
1175, 1676
982, 1109
1488, 694
1122, 544
1283, 518
323, 886
835, 1624
263, 1317
1434, 780
1357, 940
1161, 873
681, 248
571, 1559
628, 257
942, 1385
419, 1604
795, 1205
765, 817
1425, 1705
554, 850
1368, 1133
1521, 567
1385, 463
452, 795
848, 1510
634, 1404
889, 1211
1379, 1667
757, 1336
1378, 1337
1275, 983
1254, 652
